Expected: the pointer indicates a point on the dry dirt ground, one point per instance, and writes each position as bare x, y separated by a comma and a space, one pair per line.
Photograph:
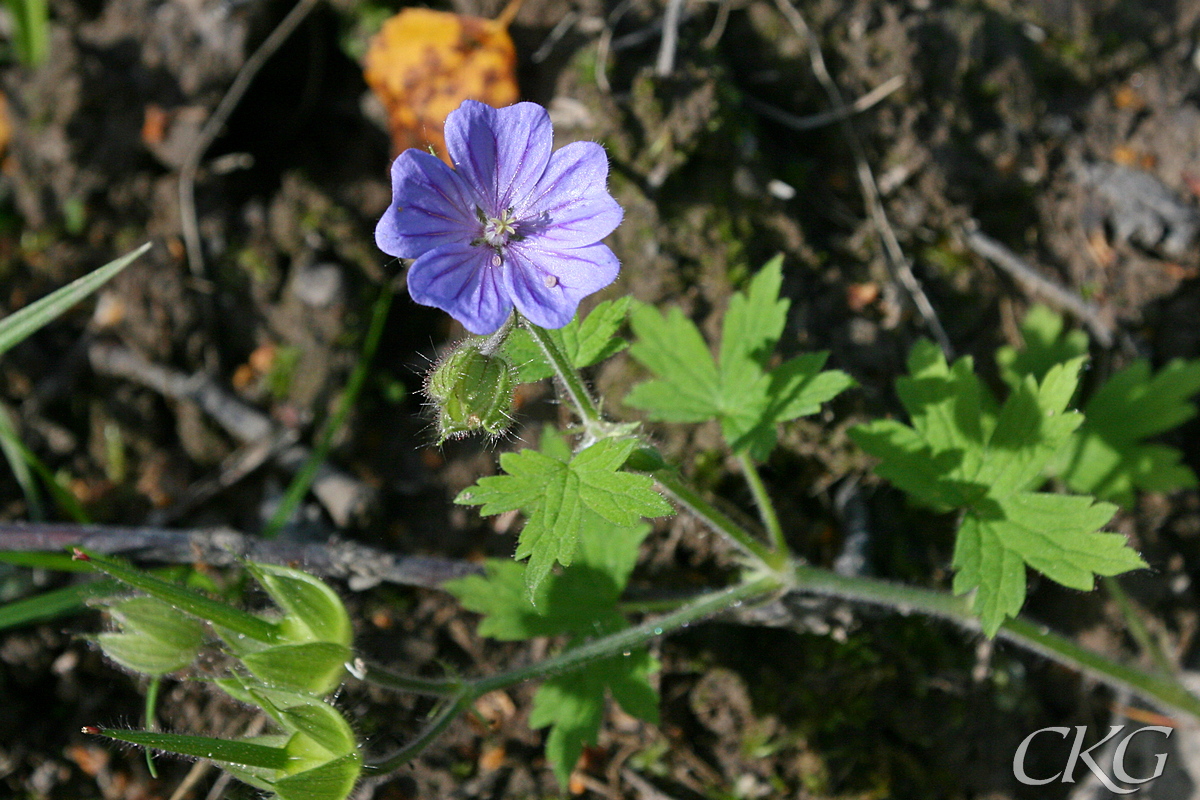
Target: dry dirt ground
1066, 130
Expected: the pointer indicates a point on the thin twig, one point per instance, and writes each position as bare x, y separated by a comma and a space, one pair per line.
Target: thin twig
665, 64
1063, 299
345, 497
193, 777
897, 262
811, 121
605, 42
361, 566
555, 36
718, 29
212, 128
242, 462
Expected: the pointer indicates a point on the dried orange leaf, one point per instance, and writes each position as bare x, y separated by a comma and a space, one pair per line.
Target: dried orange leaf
422, 64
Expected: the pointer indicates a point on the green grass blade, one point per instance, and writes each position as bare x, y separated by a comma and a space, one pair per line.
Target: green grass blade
304, 478
244, 753
19, 325
55, 603
31, 30
190, 602
66, 502
60, 562
14, 453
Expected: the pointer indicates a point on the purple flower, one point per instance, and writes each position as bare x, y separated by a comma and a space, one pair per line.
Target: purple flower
511, 225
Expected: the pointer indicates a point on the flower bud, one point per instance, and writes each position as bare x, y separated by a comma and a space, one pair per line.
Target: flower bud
471, 391
154, 639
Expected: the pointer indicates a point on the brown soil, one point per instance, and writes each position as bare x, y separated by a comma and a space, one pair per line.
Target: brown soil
1011, 117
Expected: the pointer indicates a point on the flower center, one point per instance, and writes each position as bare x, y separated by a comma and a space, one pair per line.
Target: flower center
496, 232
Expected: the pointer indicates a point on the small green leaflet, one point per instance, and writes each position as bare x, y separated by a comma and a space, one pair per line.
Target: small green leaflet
740, 389
1107, 456
580, 602
554, 490
1046, 344
585, 342
965, 451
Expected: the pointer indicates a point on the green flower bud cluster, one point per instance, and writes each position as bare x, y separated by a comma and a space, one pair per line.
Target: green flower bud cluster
285, 663
472, 390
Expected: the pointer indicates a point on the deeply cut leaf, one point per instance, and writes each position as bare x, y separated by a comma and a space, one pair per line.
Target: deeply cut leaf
964, 451
554, 494
1109, 457
742, 390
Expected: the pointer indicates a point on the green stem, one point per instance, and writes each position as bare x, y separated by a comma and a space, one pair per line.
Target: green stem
674, 487
616, 643
151, 724
303, 481
703, 606
431, 687
572, 383
766, 509
441, 720
1159, 688
907, 600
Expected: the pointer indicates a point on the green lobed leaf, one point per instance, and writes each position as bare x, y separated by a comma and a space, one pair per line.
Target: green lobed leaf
742, 391
1054, 534
572, 705
568, 602
595, 338
753, 323
554, 495
1046, 344
1108, 457
796, 388
687, 388
963, 451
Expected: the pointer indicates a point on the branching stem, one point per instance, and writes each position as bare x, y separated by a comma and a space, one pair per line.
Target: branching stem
614, 644
673, 486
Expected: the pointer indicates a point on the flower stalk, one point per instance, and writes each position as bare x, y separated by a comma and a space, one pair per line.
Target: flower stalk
572, 382
766, 509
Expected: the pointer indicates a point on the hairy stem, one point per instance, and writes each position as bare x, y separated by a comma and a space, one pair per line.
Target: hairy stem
614, 644
622, 641
441, 720
766, 508
380, 676
572, 383
1026, 634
